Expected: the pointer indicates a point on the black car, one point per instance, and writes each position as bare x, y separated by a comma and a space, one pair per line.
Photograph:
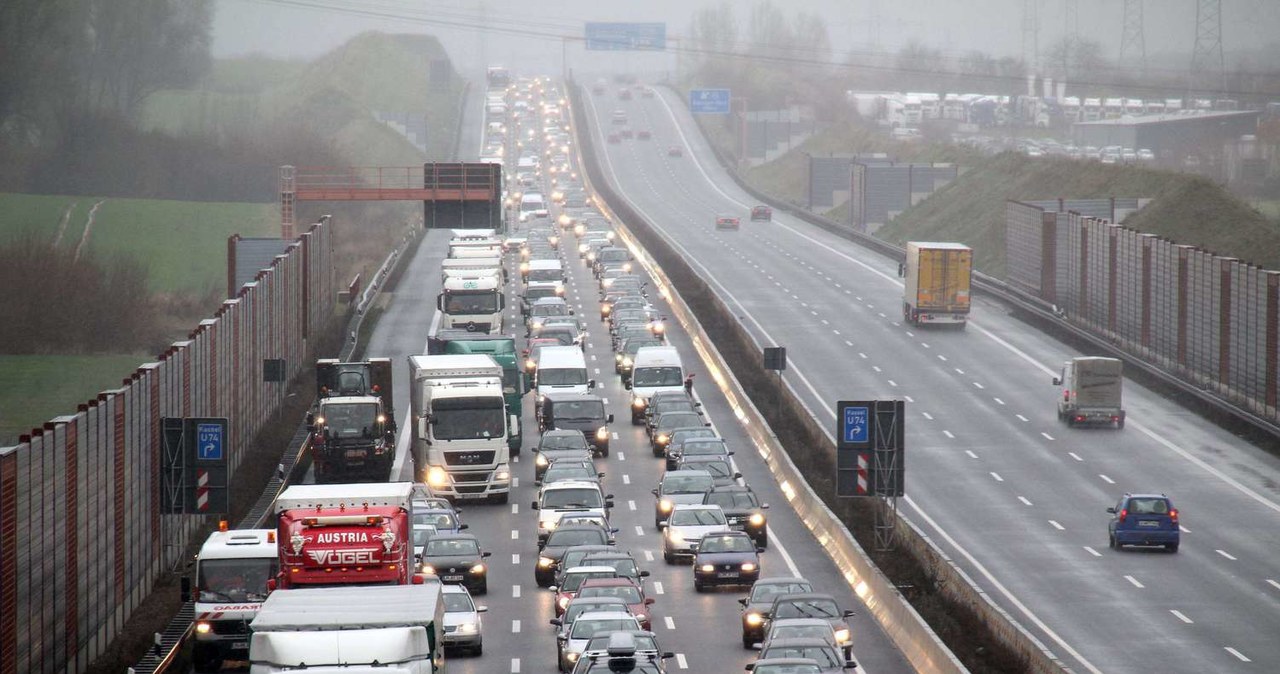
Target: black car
578, 412
572, 470
758, 602
668, 404
829, 658
743, 509
668, 422
456, 558
661, 397
714, 446
810, 605
730, 558
574, 555
560, 540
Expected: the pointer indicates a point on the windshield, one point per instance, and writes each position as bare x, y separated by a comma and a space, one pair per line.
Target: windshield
573, 580
458, 602
545, 275
825, 657
657, 376
627, 593
716, 468
679, 419
566, 441
683, 436
565, 538
727, 544
511, 380
801, 632
808, 608
617, 255
703, 447
538, 293
697, 518
624, 566
762, 593
350, 420
455, 547
633, 345
580, 410
685, 484
583, 629
787, 669
439, 520
550, 310
563, 377
571, 471
581, 497
644, 642
726, 500
422, 534
235, 579
468, 419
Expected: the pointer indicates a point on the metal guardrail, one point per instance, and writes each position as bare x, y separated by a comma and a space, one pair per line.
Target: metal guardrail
1036, 307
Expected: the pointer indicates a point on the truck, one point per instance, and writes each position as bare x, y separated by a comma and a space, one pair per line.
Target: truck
1091, 392
353, 422
232, 571
397, 629
502, 348
460, 426
333, 534
473, 304
936, 283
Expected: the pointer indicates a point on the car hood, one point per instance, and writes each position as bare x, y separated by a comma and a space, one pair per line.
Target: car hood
442, 562
693, 498
691, 533
718, 558
580, 424
455, 618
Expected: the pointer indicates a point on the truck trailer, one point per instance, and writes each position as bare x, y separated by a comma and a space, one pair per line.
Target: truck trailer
345, 534
936, 283
1092, 390
461, 426
391, 629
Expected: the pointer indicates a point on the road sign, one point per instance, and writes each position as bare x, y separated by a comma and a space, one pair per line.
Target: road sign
775, 358
610, 36
709, 101
209, 439
855, 427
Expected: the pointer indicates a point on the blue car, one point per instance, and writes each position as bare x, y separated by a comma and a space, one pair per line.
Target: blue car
1144, 519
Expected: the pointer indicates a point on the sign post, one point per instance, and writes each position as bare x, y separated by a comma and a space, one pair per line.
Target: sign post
870, 443
709, 101
613, 36
195, 466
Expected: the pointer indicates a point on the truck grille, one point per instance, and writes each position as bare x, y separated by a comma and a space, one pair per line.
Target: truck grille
477, 458
461, 489
230, 627
469, 477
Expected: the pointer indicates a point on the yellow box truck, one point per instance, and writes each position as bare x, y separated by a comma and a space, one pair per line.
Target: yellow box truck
936, 283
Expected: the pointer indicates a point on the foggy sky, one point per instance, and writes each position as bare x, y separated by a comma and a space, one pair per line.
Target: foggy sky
954, 26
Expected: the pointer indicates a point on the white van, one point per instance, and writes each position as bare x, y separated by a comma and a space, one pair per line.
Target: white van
543, 270
532, 205
562, 369
654, 369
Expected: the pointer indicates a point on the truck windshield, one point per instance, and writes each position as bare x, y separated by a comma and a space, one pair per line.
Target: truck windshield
234, 580
485, 302
656, 376
579, 410
562, 377
468, 419
545, 275
350, 420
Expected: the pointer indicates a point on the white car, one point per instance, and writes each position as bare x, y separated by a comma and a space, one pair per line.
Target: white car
687, 525
463, 628
588, 625
576, 497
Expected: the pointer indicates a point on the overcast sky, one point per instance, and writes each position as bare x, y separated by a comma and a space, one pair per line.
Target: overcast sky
306, 28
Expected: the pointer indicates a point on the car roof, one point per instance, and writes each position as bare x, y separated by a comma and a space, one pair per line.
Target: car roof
800, 642
446, 536
803, 596
608, 582
571, 397
732, 488
560, 431
694, 506
685, 472
592, 569
579, 527
786, 661
570, 484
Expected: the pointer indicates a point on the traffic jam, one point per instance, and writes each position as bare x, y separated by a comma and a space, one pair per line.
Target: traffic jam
554, 315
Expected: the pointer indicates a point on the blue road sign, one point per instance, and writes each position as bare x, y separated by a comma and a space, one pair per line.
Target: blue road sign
709, 101
854, 426
610, 36
209, 439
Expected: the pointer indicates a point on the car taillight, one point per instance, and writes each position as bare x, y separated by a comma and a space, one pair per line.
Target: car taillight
1124, 512
1173, 515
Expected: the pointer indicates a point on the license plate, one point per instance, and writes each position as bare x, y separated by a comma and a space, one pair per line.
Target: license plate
451, 579
727, 574
355, 453
240, 645
1148, 523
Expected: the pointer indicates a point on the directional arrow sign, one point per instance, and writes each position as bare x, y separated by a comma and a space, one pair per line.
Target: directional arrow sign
854, 427
209, 438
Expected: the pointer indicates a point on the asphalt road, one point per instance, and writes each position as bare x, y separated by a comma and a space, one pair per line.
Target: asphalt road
1010, 493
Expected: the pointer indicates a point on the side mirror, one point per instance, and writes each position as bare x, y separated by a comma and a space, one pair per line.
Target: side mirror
553, 588
653, 491
463, 527
1111, 510
534, 505
440, 303
743, 601
757, 646
758, 551
708, 424
737, 475
556, 621
608, 504
644, 574
648, 601
729, 453
486, 554
627, 384
609, 419
848, 613
764, 506
591, 383
424, 427
1057, 381
571, 312
851, 665
902, 269
482, 609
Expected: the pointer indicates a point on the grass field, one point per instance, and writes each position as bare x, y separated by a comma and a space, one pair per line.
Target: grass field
183, 244
34, 389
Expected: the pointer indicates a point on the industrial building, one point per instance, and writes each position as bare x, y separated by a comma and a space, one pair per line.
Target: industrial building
1169, 136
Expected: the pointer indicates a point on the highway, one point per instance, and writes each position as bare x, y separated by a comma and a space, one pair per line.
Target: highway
1010, 493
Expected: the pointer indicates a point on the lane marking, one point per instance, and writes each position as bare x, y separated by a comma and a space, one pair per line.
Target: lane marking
1135, 582
1238, 654
680, 661
515, 558
1021, 417
515, 626
1057, 526
671, 624
1075, 456
515, 665
1046, 435
970, 453
949, 434
1025, 500
1226, 554
631, 505
978, 385
515, 591
639, 530
622, 457
997, 476
927, 416
626, 479
942, 358
892, 383
648, 555
1274, 583
1180, 616
515, 508
657, 587
1093, 552
515, 534
1106, 479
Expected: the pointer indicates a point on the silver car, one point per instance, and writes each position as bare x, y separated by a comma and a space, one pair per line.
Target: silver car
463, 628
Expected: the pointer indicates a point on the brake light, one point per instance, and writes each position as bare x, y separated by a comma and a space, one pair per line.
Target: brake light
1066, 395
1124, 512
1173, 515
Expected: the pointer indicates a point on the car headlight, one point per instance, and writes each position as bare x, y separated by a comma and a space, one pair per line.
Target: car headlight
583, 248
428, 569
204, 627
602, 433
591, 257
437, 477
665, 505
530, 364
748, 567
479, 569
564, 219
708, 568
842, 635
626, 361
545, 562
607, 309
638, 403
663, 438
610, 235
571, 656
547, 524
754, 619
578, 230
607, 283
756, 520
563, 602
553, 240
626, 266
675, 537
468, 628
524, 267
617, 356
541, 461
659, 328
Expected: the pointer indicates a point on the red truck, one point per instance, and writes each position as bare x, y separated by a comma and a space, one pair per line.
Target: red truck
345, 534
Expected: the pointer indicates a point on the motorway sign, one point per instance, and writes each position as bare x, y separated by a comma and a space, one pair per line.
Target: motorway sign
855, 427
209, 438
611, 36
869, 448
709, 101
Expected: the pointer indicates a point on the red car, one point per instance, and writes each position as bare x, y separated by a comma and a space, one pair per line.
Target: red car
761, 213
644, 135
675, 151
727, 222
623, 588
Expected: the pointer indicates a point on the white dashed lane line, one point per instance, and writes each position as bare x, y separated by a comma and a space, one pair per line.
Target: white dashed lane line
971, 453
1135, 582
1046, 435
1025, 500
927, 415
1074, 456
1181, 616
1239, 656
1106, 479
1091, 551
515, 626
997, 476
1226, 554
1057, 526
1021, 417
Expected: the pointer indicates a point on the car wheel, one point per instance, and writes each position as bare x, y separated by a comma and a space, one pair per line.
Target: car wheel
482, 588
500, 499
478, 650
1114, 544
1172, 547
604, 451
697, 587
763, 541
206, 659
668, 557
747, 642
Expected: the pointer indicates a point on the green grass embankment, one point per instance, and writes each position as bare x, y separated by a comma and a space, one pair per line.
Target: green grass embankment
34, 389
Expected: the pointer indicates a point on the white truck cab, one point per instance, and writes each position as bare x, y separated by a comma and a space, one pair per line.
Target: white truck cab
232, 570
653, 369
472, 304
